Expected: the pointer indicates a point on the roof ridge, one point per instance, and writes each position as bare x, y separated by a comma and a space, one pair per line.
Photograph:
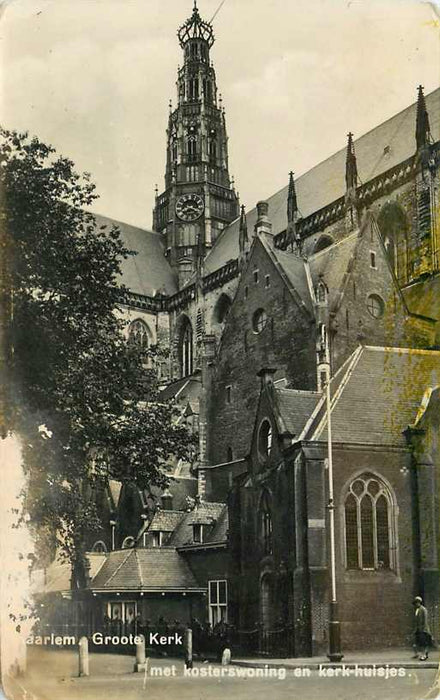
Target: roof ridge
119, 567
328, 248
299, 391
401, 351
124, 223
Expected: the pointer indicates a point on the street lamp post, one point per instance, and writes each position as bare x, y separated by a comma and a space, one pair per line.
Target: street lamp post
334, 636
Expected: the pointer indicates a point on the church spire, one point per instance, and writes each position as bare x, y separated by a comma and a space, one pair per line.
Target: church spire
292, 236
351, 181
351, 174
423, 131
198, 200
243, 240
292, 206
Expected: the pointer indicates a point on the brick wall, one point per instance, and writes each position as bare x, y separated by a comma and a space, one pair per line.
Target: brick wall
286, 343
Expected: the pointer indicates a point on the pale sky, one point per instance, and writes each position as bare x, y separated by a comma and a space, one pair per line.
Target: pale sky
94, 78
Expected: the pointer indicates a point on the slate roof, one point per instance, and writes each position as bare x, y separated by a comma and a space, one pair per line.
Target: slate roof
205, 513
294, 269
332, 264
379, 395
424, 298
185, 390
296, 407
325, 182
155, 569
165, 520
147, 272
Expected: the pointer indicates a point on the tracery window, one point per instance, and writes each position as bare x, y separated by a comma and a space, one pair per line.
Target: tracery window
369, 525
138, 334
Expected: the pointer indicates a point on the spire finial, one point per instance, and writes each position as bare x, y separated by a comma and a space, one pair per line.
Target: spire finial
351, 174
423, 130
195, 28
292, 206
243, 239
293, 239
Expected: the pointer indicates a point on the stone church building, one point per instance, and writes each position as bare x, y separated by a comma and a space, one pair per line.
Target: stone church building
334, 278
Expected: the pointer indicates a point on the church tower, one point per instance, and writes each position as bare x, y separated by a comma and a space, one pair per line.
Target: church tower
199, 199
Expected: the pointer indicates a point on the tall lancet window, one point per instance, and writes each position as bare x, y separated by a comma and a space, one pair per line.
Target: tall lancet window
192, 148
266, 528
186, 350
369, 525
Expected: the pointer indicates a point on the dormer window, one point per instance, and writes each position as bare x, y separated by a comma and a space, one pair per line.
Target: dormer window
156, 540
197, 533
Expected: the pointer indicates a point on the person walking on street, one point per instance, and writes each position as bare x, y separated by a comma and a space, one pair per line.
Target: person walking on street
422, 635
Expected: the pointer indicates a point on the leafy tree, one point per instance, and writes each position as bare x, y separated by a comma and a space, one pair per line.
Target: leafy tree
80, 396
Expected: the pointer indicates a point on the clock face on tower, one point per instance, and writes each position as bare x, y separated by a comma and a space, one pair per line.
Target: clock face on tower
189, 207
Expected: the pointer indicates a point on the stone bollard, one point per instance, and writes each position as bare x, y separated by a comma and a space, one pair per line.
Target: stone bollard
83, 656
226, 657
140, 663
188, 645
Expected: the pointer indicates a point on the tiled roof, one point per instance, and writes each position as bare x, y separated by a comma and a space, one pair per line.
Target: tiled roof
332, 264
379, 395
165, 520
296, 407
424, 298
325, 182
205, 514
147, 272
220, 531
154, 569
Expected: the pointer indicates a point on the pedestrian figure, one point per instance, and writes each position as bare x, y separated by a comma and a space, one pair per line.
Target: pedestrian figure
422, 635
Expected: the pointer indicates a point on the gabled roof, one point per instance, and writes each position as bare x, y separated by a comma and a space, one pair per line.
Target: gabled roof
156, 569
165, 520
205, 513
332, 264
148, 272
377, 151
296, 408
294, 269
378, 395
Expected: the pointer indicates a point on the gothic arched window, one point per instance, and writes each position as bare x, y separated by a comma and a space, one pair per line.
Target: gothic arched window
266, 529
138, 334
186, 349
369, 525
222, 308
191, 148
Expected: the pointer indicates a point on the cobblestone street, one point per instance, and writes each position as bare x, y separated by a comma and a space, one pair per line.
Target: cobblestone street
52, 675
